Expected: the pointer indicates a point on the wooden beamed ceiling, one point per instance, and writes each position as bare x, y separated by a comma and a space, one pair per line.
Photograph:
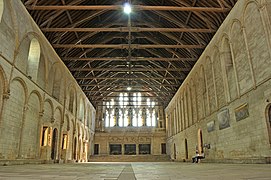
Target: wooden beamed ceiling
152, 50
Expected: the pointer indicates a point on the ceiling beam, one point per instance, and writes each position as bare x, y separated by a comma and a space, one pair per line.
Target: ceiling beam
132, 91
125, 59
131, 78
111, 96
126, 46
133, 86
126, 69
135, 7
126, 29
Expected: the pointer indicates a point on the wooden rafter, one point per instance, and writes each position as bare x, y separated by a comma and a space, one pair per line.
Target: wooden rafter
135, 7
126, 29
126, 46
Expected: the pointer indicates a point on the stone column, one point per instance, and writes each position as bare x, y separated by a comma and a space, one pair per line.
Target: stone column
130, 116
122, 149
144, 116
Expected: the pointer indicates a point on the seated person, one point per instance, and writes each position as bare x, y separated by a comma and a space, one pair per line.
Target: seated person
198, 156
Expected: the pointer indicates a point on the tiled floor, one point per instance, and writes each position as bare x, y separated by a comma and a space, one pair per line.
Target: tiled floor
139, 171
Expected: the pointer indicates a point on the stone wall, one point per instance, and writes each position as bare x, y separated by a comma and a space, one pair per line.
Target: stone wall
221, 108
38, 96
130, 135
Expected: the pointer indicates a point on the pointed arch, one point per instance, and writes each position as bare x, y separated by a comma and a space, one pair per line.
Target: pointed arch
2, 4
48, 111
211, 99
72, 99
268, 121
218, 78
33, 59
81, 112
229, 69
17, 100
259, 52
30, 129
240, 55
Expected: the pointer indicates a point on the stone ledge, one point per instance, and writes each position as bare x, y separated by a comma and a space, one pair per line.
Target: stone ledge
129, 158
22, 161
260, 160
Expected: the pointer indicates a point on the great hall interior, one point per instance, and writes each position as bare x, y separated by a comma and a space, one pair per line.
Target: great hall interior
135, 81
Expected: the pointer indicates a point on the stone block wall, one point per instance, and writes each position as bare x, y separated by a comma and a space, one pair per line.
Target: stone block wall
40, 101
222, 107
130, 135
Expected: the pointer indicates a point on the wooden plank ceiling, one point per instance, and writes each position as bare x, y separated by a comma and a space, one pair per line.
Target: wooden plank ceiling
152, 49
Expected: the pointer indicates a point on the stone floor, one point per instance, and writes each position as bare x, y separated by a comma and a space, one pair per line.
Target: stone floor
139, 171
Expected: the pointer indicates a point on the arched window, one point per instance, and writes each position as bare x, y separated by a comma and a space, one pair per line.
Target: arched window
33, 59
130, 114
81, 110
1, 9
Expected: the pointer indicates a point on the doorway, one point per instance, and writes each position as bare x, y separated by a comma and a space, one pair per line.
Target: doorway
186, 148
54, 145
174, 151
74, 149
200, 142
269, 122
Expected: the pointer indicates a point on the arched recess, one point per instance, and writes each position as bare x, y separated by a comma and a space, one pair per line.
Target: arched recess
210, 85
200, 142
72, 100
48, 111
65, 138
240, 55
3, 87
55, 82
12, 119
8, 29
30, 59
186, 148
88, 119
1, 9
202, 94
194, 101
81, 112
227, 62
57, 117
257, 42
189, 105
30, 133
218, 78
70, 140
268, 121
75, 148
54, 145
174, 151
33, 59
42, 71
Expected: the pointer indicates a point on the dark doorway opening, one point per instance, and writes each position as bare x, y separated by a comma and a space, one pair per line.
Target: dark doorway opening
54, 145
163, 148
96, 149
186, 149
74, 149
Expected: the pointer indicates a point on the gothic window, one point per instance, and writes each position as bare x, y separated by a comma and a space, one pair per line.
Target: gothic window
130, 111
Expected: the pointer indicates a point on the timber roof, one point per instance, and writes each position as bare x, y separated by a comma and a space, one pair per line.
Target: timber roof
152, 50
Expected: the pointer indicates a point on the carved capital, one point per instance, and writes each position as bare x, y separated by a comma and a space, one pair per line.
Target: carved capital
52, 119
6, 95
26, 107
41, 113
